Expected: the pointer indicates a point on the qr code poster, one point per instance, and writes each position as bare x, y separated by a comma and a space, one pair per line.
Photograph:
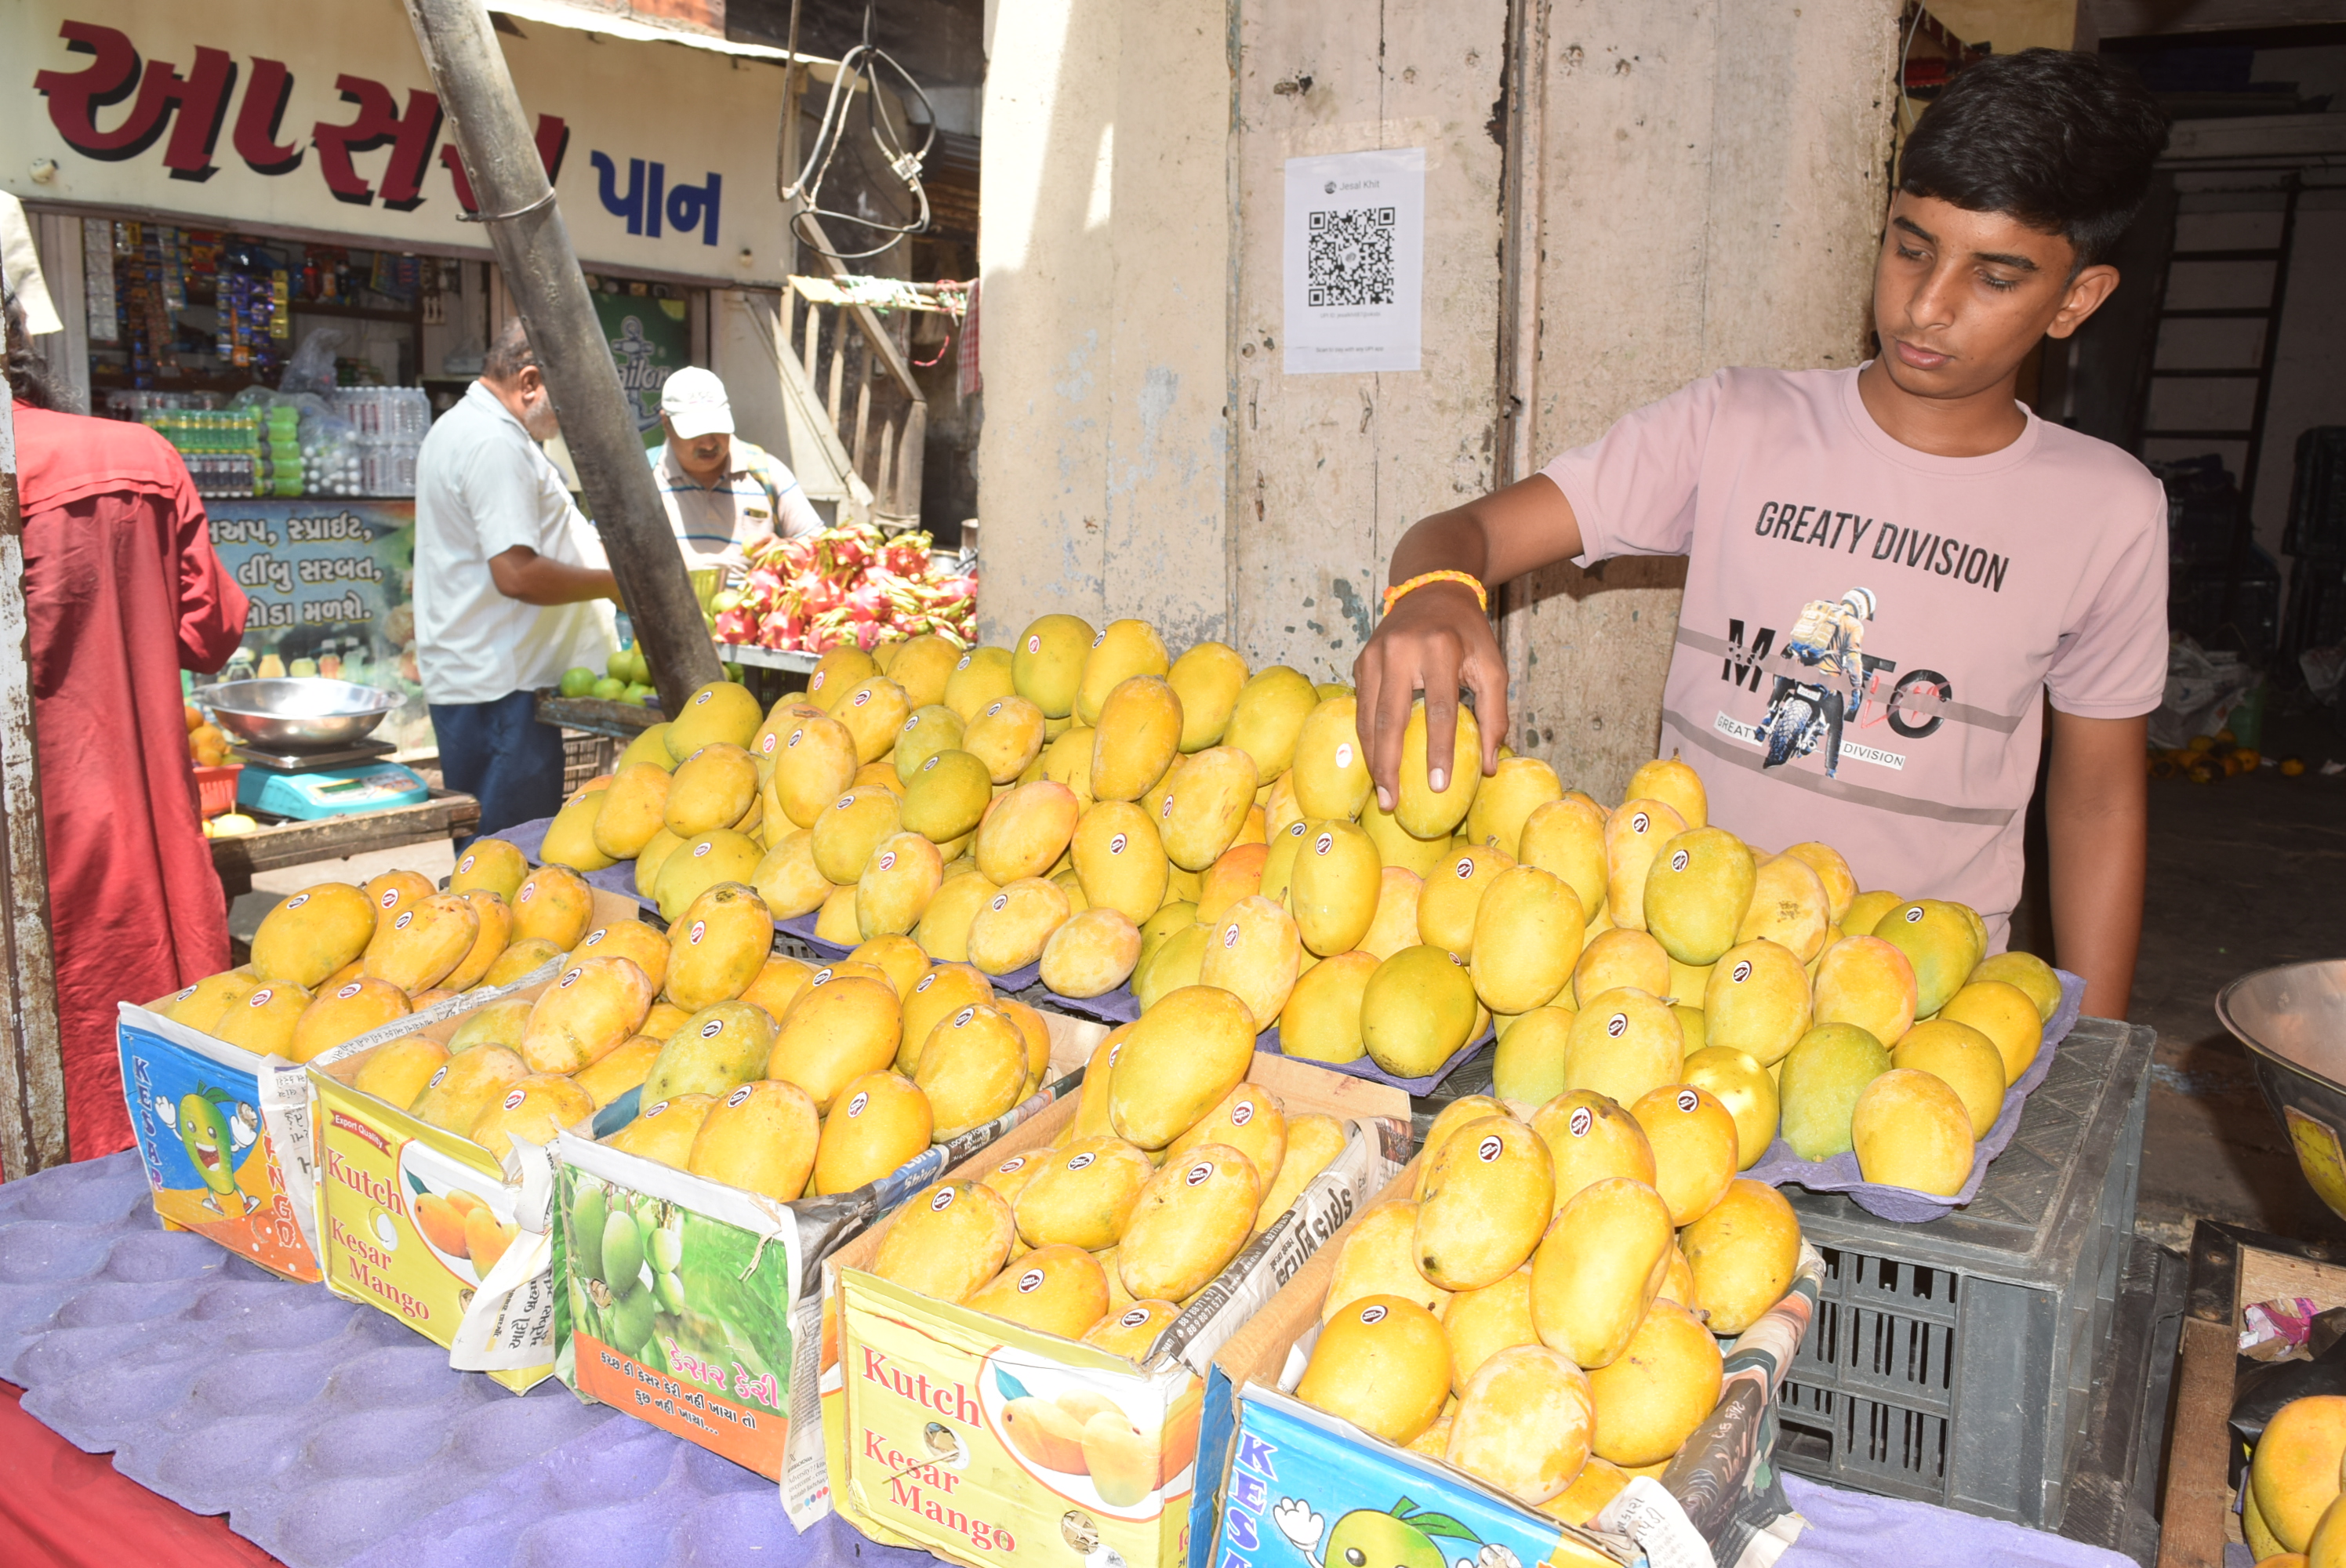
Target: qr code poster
1355, 261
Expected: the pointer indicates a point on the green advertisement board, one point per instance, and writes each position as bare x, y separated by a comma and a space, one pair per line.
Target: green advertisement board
650, 337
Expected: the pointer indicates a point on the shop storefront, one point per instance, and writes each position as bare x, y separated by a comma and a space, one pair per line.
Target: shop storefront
252, 221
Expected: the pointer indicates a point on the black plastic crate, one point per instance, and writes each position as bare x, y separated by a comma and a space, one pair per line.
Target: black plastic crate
1954, 1362
2195, 605
2113, 1482
2316, 529
2200, 527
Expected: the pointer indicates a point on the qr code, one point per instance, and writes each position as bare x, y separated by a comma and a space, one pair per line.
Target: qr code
1350, 259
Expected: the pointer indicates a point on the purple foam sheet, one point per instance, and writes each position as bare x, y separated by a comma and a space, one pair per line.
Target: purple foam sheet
529, 838
1904, 1205
319, 1426
1856, 1530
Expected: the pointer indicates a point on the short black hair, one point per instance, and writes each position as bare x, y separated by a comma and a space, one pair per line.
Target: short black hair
2062, 141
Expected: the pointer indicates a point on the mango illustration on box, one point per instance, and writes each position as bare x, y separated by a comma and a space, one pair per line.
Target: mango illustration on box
1401, 1537
213, 1139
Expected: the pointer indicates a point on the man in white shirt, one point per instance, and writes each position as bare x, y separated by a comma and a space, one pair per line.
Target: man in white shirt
723, 495
508, 577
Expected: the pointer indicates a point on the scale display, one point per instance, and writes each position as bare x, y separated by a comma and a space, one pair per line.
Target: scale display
330, 791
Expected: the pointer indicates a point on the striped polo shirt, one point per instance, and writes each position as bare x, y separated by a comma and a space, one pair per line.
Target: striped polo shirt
755, 498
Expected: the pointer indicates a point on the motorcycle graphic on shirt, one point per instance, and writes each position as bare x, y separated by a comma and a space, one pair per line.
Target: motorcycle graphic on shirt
1824, 685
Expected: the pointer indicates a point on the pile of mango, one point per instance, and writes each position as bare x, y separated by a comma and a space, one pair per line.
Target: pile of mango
1541, 1313
337, 959
1170, 1164
2291, 1508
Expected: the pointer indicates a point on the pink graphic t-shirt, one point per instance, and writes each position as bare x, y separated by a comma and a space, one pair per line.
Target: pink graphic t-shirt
1870, 631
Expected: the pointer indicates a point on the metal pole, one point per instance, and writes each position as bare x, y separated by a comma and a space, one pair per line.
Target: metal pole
32, 1060
533, 246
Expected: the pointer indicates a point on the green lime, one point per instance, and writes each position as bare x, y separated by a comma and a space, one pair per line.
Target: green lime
578, 681
610, 689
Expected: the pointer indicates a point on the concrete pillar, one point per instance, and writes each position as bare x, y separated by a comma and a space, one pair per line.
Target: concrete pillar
1102, 315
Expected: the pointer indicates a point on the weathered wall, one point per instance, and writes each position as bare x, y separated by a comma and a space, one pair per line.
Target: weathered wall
1331, 470
1104, 336
1695, 186
1709, 192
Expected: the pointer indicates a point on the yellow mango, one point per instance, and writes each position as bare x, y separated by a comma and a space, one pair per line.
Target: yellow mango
946, 797
534, 1109
1379, 1258
898, 882
1963, 1058
1183, 1055
570, 837
947, 1241
1452, 896
1119, 860
1417, 1010
944, 931
264, 1022
1248, 1120
1742, 1256
845, 835
814, 764
872, 711
1523, 1424
1055, 1290
1081, 1194
722, 710
834, 1034
318, 931
553, 905
1507, 800
1823, 1075
922, 665
582, 1017
338, 1016
1207, 678
493, 932
423, 942
465, 1086
2295, 1469
1313, 1140
1398, 847
973, 1069
1911, 1129
1525, 939
1566, 837
1092, 954
1132, 1332
1616, 958
1757, 1000
1623, 1043
397, 1072
1394, 925
1742, 1084
1010, 929
1696, 892
1006, 736
1833, 873
664, 1131
1529, 1064
1481, 1322
1634, 837
1205, 804
926, 732
1590, 1139
1047, 662
1423, 809
1025, 831
2007, 1015
760, 1137
1789, 907
1650, 1398
1866, 982
1939, 942
490, 864
1138, 735
1596, 1274
1382, 1364
787, 879
1267, 717
2031, 975
1675, 785
1193, 1217
1254, 953
1322, 1019
1696, 1145
1331, 775
943, 990
650, 859
1484, 1203
1334, 886
624, 1069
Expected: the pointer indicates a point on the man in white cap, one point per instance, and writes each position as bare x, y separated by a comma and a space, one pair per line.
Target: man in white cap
723, 495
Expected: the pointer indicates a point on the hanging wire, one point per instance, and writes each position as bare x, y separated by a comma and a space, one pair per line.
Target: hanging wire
831, 134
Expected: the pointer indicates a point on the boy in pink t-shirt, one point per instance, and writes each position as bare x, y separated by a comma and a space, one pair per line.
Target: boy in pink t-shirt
1890, 568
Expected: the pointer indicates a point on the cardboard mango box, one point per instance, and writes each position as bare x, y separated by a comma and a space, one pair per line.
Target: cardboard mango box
917, 1400
1290, 1481
394, 1194
719, 1343
224, 1138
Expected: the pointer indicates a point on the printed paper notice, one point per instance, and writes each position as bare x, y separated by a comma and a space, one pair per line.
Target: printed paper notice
1355, 261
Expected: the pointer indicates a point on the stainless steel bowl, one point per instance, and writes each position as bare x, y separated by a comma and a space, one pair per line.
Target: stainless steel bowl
309, 714
2293, 1019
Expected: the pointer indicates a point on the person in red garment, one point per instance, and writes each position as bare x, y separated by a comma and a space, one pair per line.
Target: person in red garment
122, 591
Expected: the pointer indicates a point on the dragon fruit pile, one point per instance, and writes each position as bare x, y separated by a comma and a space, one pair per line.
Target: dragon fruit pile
847, 584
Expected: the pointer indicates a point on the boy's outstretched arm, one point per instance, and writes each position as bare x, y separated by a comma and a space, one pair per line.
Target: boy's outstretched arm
1438, 638
2097, 821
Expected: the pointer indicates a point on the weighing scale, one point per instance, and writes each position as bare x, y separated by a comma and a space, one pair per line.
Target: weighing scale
358, 777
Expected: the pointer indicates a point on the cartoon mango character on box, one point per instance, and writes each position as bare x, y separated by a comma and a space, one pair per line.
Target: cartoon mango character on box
213, 1139
1403, 1537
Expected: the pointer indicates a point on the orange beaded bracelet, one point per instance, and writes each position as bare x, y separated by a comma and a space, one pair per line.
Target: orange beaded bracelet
1481, 594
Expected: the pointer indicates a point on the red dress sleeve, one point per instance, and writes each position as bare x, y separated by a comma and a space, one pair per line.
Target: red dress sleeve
212, 608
